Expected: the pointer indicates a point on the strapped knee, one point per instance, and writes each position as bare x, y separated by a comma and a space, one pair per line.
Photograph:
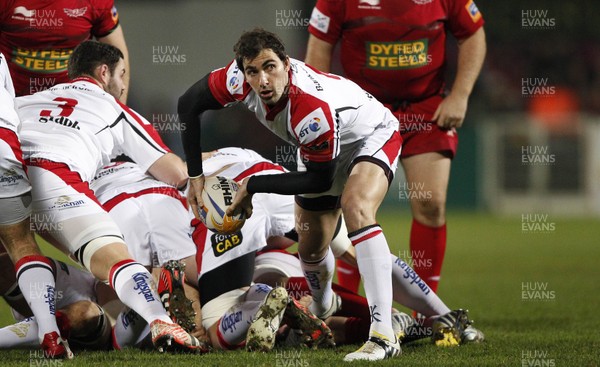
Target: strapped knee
85, 253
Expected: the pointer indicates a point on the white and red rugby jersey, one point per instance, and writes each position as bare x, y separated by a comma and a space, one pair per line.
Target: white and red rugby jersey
321, 113
83, 126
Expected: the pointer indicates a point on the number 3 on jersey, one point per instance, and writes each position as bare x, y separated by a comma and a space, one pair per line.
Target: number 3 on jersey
66, 107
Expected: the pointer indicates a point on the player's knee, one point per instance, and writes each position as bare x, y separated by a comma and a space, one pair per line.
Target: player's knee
358, 213
312, 253
87, 251
431, 212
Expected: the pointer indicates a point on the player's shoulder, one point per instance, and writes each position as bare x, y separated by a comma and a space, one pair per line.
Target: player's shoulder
100, 4
229, 80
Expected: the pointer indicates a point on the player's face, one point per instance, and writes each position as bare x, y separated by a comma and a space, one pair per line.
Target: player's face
267, 75
116, 85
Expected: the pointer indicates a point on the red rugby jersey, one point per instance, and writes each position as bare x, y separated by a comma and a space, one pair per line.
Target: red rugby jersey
38, 36
395, 50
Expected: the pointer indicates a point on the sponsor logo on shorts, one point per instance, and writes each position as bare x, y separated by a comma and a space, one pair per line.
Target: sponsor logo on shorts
65, 202
397, 55
10, 177
222, 243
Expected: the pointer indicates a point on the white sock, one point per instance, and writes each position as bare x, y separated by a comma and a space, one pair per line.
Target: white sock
372, 255
411, 291
136, 289
130, 330
233, 326
35, 275
319, 275
23, 334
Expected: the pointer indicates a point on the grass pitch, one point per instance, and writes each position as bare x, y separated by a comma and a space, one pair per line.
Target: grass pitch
533, 291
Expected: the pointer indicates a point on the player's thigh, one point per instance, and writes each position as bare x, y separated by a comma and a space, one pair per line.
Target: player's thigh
132, 218
171, 230
366, 186
68, 218
365, 190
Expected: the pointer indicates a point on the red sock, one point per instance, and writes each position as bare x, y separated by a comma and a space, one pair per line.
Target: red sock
427, 248
347, 275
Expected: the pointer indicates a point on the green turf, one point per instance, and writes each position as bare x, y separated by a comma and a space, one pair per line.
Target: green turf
488, 262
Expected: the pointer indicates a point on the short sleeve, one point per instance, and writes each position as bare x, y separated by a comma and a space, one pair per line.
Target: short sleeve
314, 128
228, 85
105, 18
464, 18
326, 20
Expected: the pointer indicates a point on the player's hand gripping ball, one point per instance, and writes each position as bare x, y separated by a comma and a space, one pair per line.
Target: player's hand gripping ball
218, 194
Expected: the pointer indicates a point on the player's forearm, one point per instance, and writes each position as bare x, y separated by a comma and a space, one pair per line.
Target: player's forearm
293, 183
169, 169
471, 54
191, 105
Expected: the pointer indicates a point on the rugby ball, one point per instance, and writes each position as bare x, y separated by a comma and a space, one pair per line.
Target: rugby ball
218, 194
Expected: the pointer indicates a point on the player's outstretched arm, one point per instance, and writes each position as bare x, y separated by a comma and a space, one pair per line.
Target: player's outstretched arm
197, 99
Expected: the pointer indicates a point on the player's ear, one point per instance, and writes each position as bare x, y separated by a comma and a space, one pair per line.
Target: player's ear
102, 73
286, 63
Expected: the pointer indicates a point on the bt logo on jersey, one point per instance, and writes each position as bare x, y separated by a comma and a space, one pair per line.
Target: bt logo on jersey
312, 126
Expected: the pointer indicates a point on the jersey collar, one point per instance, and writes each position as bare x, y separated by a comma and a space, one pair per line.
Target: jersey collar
86, 79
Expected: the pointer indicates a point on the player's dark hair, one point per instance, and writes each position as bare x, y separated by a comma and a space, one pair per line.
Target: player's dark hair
89, 55
251, 43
